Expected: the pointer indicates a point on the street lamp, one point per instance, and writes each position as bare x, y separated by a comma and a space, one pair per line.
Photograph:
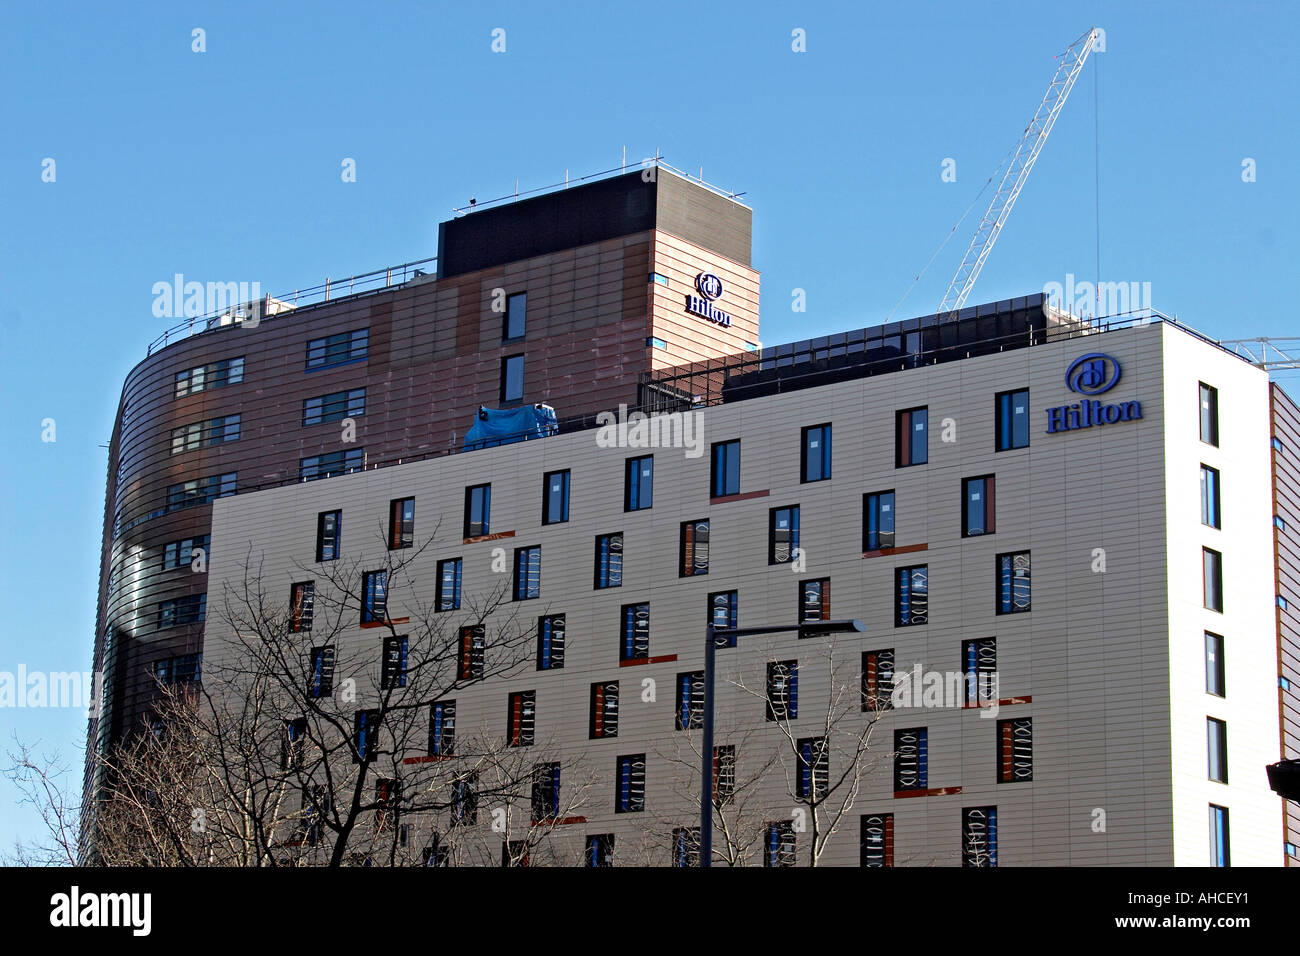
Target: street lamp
714, 634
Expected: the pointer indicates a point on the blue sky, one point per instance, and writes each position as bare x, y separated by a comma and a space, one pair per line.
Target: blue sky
225, 165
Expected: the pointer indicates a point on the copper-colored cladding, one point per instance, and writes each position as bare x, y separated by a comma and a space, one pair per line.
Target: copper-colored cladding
1286, 505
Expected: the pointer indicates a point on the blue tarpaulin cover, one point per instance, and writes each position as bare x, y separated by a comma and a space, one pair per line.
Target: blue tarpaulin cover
501, 426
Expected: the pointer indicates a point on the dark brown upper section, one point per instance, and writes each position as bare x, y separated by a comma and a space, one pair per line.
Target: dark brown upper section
1286, 505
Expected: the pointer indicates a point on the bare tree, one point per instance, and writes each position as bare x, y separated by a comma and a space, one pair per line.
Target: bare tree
41, 784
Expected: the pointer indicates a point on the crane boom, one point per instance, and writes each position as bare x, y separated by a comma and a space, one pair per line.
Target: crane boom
1013, 180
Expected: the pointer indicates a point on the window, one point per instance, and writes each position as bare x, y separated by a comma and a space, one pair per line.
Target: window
724, 773
331, 464
638, 487
401, 523
464, 800
724, 612
366, 740
659, 278
604, 710
546, 792
779, 844
447, 597
213, 375
979, 836
629, 784
690, 700
814, 769
635, 642
522, 718
695, 548
469, 664
877, 839
1209, 414
979, 663
1210, 497
912, 437
180, 554
782, 534
188, 668
1216, 736
388, 794
478, 510
320, 672
200, 491
329, 530
516, 316
1013, 583
977, 506
1012, 413
878, 679
316, 806
1215, 681
782, 690
686, 846
912, 596
814, 601
214, 431
877, 520
302, 596
1279, 523
555, 497
442, 728
190, 609
1219, 836
815, 453
609, 561
726, 469
293, 744
1016, 750
336, 349
600, 850
393, 672
334, 407
528, 573
550, 642
910, 759
512, 378
374, 597
1212, 566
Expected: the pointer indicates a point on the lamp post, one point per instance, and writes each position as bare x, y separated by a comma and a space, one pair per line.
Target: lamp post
714, 633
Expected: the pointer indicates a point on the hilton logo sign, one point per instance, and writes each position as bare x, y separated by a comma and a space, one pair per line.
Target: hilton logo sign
1088, 375
709, 287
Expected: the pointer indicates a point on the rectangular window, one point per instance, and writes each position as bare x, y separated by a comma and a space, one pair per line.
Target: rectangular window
911, 759
366, 739
302, 596
912, 595
188, 668
782, 690
814, 601
331, 464
782, 534
469, 663
1209, 414
1219, 836
200, 491
977, 513
447, 597
512, 378
528, 573
1212, 568
181, 554
546, 792
191, 609
401, 523
877, 839
214, 431
388, 794
550, 642
464, 800
979, 836
213, 375
555, 497
1016, 750
629, 784
638, 486
337, 349
478, 510
724, 773
442, 728
320, 676
316, 806
635, 641
877, 520
779, 844
334, 407
329, 530
1216, 736
374, 597
609, 561
690, 700
815, 453
724, 611
979, 664
522, 718
516, 317
1012, 425
604, 710
694, 549
912, 446
878, 679
1215, 680
393, 673
726, 469
600, 849
813, 771
1210, 496
686, 846
293, 744
1013, 583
